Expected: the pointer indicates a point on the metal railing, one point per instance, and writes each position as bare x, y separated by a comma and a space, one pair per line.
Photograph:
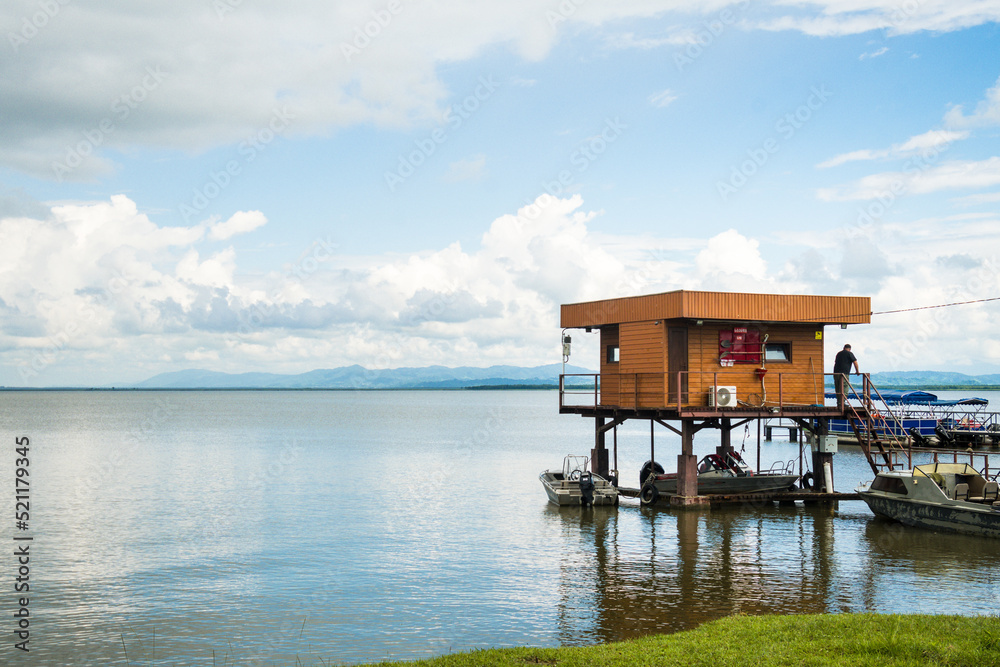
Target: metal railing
691, 389
875, 425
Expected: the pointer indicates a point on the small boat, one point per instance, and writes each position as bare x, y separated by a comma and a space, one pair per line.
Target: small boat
942, 496
717, 475
576, 485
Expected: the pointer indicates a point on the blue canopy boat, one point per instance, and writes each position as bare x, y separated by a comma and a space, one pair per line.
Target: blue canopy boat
921, 411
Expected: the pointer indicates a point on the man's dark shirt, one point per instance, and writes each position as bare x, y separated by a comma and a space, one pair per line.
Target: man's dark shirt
842, 362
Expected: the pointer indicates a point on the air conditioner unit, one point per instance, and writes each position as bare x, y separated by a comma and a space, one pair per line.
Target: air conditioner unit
722, 397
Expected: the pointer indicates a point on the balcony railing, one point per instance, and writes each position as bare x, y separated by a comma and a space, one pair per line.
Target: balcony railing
691, 389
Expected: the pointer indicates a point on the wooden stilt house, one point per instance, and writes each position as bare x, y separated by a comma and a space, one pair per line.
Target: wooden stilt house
707, 360
719, 349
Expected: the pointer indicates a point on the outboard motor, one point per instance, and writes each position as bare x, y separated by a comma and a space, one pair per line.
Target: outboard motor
647, 468
944, 437
918, 439
587, 488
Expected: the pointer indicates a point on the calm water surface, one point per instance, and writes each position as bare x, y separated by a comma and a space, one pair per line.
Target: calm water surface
266, 527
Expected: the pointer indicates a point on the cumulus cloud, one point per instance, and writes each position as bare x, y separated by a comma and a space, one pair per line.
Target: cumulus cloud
111, 290
241, 222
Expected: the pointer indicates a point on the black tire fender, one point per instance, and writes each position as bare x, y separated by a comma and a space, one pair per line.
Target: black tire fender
648, 495
647, 468
808, 481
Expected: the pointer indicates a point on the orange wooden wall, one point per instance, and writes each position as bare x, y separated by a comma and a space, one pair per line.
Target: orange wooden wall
639, 379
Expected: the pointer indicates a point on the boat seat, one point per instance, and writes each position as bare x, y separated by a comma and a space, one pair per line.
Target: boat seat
962, 491
991, 492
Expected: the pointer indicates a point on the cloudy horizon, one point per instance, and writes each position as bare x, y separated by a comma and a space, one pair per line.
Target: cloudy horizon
281, 188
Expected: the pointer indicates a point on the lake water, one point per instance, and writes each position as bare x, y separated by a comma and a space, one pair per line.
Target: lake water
270, 527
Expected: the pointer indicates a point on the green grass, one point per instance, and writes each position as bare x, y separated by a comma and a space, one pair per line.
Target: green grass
814, 640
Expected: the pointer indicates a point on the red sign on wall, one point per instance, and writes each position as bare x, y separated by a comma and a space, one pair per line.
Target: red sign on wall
741, 345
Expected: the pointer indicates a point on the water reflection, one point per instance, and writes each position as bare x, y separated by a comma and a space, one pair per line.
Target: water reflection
635, 571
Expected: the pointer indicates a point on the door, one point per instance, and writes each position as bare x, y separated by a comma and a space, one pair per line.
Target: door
677, 360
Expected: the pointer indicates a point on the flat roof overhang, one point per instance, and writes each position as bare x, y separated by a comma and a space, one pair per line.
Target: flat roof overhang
724, 306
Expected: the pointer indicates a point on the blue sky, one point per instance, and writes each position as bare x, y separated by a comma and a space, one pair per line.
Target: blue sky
257, 187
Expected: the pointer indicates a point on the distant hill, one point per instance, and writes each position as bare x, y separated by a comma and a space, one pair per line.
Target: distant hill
925, 379
358, 377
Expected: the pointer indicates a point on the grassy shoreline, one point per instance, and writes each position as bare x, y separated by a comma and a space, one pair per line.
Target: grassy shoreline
816, 640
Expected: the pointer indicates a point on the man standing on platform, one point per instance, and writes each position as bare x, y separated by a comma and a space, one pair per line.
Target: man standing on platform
842, 368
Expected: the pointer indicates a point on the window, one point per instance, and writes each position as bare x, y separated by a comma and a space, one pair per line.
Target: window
612, 354
889, 485
780, 352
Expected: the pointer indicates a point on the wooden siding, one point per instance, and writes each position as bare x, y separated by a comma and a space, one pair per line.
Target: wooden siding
643, 363
726, 306
801, 382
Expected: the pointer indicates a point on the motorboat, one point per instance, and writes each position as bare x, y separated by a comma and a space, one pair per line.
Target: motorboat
727, 475
575, 484
952, 497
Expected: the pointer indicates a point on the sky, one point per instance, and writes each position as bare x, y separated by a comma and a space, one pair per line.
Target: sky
240, 185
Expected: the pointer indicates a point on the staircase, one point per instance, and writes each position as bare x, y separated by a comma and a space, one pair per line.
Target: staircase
875, 426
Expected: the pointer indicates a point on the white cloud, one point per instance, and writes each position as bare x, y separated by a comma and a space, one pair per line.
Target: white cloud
663, 99
976, 200
874, 54
933, 141
987, 112
952, 175
114, 297
730, 259
472, 169
832, 18
853, 156
114, 77
241, 222
681, 36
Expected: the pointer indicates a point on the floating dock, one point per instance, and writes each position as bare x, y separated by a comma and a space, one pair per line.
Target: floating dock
741, 498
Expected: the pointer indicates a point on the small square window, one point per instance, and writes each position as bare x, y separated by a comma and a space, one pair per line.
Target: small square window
612, 354
778, 352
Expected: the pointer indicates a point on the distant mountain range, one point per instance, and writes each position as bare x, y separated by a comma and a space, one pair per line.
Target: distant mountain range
358, 377
926, 379
442, 377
